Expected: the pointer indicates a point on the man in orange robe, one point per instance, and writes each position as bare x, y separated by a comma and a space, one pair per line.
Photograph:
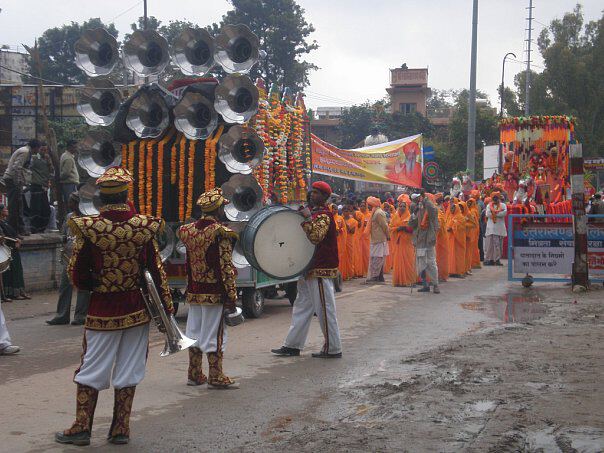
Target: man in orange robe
442, 242
365, 240
473, 212
402, 250
457, 227
358, 245
351, 225
342, 234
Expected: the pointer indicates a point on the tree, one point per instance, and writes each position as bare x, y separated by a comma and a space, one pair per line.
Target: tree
284, 35
57, 54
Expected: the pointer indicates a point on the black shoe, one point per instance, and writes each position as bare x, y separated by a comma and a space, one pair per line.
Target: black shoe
57, 322
425, 289
325, 355
120, 439
436, 290
498, 263
79, 439
77, 322
488, 263
285, 351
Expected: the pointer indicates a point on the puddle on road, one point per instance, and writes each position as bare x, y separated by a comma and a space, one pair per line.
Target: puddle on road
509, 308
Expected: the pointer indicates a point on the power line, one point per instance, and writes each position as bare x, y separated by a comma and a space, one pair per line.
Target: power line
127, 10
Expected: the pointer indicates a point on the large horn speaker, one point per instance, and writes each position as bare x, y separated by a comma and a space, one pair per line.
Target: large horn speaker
236, 99
240, 149
245, 195
149, 113
193, 51
194, 115
146, 52
96, 52
98, 152
90, 200
237, 49
99, 102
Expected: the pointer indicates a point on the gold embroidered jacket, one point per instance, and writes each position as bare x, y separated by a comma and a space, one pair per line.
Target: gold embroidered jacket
111, 250
210, 270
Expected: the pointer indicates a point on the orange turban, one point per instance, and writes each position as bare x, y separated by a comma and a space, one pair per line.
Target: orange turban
404, 197
374, 202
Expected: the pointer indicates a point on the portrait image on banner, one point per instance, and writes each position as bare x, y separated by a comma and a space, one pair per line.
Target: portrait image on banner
397, 162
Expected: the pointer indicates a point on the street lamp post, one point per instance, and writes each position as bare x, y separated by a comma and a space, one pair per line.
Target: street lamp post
502, 81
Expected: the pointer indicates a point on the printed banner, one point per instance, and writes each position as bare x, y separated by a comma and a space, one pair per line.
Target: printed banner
398, 162
549, 248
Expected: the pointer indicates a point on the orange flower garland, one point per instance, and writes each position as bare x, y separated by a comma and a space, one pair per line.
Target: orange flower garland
181, 179
149, 178
142, 148
160, 173
210, 159
173, 152
190, 178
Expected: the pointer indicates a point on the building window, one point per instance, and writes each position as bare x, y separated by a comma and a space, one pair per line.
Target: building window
407, 108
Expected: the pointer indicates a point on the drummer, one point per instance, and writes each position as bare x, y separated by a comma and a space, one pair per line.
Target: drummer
316, 289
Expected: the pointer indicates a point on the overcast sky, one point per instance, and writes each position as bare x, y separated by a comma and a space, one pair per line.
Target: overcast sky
359, 39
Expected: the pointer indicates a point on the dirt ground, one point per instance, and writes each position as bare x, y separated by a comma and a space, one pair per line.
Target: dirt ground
532, 384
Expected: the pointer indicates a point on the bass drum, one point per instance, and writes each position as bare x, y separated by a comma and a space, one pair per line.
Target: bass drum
274, 242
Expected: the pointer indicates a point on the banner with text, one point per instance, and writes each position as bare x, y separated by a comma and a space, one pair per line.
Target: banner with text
397, 162
548, 248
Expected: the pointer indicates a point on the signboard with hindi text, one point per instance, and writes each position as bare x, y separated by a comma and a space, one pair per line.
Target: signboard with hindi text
397, 162
548, 248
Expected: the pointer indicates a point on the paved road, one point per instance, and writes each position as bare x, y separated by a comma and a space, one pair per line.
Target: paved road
377, 323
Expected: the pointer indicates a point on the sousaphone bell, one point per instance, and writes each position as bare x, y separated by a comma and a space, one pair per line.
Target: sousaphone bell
149, 112
245, 195
193, 51
236, 99
98, 152
240, 149
237, 49
90, 199
194, 115
96, 52
99, 102
146, 52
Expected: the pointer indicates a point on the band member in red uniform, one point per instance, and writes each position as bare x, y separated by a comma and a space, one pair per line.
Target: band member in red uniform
111, 251
316, 288
210, 288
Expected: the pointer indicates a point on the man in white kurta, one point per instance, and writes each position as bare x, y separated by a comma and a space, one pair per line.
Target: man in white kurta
496, 232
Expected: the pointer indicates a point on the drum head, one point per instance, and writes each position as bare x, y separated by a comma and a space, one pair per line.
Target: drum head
281, 248
4, 253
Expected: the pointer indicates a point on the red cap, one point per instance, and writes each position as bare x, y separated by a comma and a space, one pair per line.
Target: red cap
322, 186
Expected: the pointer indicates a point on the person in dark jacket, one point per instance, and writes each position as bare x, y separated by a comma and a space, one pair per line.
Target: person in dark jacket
12, 279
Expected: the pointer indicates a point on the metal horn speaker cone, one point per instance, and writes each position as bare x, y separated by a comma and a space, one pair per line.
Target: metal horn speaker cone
149, 113
166, 240
195, 116
240, 149
237, 49
193, 51
239, 259
98, 152
98, 102
146, 52
236, 99
90, 200
245, 195
96, 52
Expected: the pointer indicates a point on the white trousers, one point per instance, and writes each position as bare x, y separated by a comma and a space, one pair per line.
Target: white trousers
205, 323
119, 356
493, 246
315, 295
4, 336
425, 260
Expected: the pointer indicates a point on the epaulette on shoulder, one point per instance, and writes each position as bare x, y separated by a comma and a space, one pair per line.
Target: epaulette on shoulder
223, 231
78, 225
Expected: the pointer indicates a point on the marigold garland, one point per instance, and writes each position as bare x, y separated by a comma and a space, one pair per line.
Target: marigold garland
173, 153
190, 180
142, 148
181, 179
160, 173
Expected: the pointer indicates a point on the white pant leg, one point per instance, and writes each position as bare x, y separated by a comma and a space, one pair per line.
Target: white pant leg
498, 247
131, 358
193, 329
324, 299
431, 266
4, 336
488, 247
100, 349
302, 314
213, 332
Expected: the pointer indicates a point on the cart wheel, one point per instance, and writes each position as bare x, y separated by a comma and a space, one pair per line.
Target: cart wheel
253, 302
291, 291
337, 283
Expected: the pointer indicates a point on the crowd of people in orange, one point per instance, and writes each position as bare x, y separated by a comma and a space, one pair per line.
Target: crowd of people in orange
457, 239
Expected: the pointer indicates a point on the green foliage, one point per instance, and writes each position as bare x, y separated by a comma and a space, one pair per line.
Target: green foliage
57, 54
571, 83
358, 121
284, 35
71, 129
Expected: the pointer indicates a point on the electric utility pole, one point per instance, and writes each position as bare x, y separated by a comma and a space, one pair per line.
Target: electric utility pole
527, 86
471, 151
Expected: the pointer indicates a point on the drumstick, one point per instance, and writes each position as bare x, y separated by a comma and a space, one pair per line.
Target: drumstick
6, 238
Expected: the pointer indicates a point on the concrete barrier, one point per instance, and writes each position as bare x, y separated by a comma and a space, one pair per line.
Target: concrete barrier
40, 255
